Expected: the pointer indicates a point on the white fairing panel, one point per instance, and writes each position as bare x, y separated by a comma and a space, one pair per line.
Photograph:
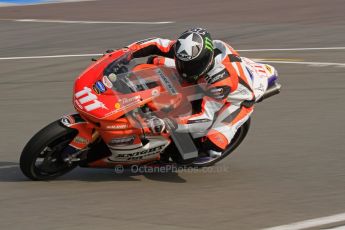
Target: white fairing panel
139, 152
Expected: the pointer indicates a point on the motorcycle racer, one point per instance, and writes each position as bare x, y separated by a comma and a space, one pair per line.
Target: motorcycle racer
230, 81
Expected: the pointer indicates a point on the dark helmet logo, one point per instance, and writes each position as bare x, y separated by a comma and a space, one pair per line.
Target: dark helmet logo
189, 46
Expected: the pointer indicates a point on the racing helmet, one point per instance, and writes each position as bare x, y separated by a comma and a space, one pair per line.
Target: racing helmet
193, 53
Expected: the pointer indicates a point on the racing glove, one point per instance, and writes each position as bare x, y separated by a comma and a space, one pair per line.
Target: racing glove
156, 124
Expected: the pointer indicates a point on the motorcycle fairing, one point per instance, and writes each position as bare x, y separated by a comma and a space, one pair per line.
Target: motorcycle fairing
86, 133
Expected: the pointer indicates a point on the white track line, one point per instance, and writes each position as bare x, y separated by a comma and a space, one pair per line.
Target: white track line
311, 223
8, 166
52, 56
294, 49
320, 64
89, 22
336, 228
41, 3
251, 50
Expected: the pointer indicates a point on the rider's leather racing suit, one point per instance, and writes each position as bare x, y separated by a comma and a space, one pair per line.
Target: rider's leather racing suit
229, 84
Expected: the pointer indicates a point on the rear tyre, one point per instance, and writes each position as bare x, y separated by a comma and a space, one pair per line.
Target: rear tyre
241, 133
41, 158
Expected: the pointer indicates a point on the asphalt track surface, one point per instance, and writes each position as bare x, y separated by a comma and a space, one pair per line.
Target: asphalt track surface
290, 168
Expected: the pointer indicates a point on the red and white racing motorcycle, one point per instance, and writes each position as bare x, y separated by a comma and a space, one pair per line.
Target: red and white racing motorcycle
114, 98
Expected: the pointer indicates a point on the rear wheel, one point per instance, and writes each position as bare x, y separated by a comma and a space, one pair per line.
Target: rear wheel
205, 161
42, 157
241, 133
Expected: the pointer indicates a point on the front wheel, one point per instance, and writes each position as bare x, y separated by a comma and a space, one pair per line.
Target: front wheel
42, 158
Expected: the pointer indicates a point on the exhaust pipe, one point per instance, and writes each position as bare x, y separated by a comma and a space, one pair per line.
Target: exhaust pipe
271, 91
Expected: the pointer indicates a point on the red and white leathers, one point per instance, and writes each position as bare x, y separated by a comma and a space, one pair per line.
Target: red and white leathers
231, 81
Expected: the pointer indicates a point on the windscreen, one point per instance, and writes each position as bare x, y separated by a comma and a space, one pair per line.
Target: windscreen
126, 77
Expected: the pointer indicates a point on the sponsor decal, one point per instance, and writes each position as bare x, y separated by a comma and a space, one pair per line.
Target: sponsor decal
254, 67
117, 126
126, 101
219, 92
95, 89
198, 31
78, 104
99, 87
140, 155
80, 140
260, 69
250, 73
107, 82
123, 141
166, 82
67, 120
117, 105
184, 57
208, 44
198, 121
234, 58
217, 77
269, 69
189, 46
112, 77
85, 99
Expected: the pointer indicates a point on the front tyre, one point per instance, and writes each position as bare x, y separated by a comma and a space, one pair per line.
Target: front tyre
41, 158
